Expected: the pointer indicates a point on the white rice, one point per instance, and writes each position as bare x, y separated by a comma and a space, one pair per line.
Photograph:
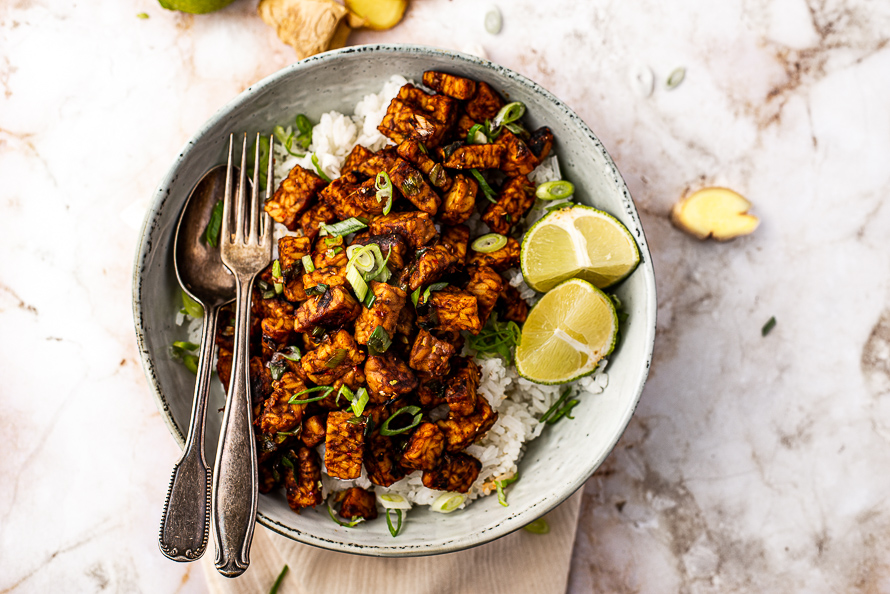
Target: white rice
519, 402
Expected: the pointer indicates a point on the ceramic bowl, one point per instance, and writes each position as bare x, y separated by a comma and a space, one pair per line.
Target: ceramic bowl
556, 464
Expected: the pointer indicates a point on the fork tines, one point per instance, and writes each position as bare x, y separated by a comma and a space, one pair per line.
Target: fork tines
244, 226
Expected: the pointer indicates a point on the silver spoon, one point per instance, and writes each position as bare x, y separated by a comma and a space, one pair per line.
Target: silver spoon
201, 273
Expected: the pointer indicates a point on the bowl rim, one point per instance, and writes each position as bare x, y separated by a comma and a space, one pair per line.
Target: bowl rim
512, 522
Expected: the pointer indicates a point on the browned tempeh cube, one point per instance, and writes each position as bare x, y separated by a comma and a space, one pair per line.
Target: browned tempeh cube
517, 196
355, 158
457, 473
314, 217
411, 184
388, 304
344, 445
541, 142
500, 260
432, 265
486, 284
515, 307
457, 237
382, 160
424, 449
391, 245
293, 196
460, 393
303, 483
278, 416
476, 156
460, 201
455, 309
411, 151
338, 195
485, 104
516, 159
431, 391
381, 457
457, 87
293, 289
416, 227
431, 355
278, 330
388, 377
332, 276
462, 431
414, 114
329, 251
291, 250
336, 355
336, 307
358, 503
314, 429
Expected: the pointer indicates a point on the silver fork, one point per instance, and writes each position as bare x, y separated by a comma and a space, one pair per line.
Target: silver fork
245, 252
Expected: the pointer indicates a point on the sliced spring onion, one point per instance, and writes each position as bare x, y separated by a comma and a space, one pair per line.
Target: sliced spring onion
324, 389
555, 190
337, 358
676, 78
509, 113
344, 391
214, 225
393, 501
185, 345
388, 206
329, 241
350, 225
411, 185
287, 462
415, 296
431, 288
318, 289
359, 401
351, 524
359, 286
192, 307
539, 526
437, 175
305, 128
276, 369
448, 502
276, 274
319, 170
768, 327
488, 243
379, 341
308, 265
496, 338
411, 410
369, 300
517, 130
564, 412
270, 294
486, 189
493, 20
556, 405
364, 259
449, 150
383, 185
475, 135
263, 285
501, 485
394, 530
382, 273
277, 583
191, 363
292, 353
422, 148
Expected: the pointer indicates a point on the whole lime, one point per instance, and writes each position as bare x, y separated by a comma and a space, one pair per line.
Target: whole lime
195, 6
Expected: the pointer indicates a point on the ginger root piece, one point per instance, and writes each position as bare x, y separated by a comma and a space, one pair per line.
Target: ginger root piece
309, 26
376, 14
716, 213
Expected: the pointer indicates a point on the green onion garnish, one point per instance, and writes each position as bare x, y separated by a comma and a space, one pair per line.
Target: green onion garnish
359, 401
501, 485
318, 289
564, 411
411, 185
517, 130
398, 528
676, 78
277, 583
287, 462
486, 189
379, 341
183, 351
292, 353
431, 288
415, 296
437, 175
359, 286
275, 369
308, 265
363, 257
539, 526
475, 135
491, 242
303, 124
142, 15
496, 338
318, 169
350, 225
370, 298
214, 225
352, 524
276, 274
270, 294
188, 346
768, 327
448, 502
422, 148
555, 190
192, 307
556, 405
327, 390
411, 410
383, 185
509, 113
337, 358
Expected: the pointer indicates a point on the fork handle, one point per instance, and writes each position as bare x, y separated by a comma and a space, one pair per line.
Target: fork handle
185, 520
235, 470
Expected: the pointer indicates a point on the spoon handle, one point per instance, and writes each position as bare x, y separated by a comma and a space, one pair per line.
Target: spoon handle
186, 516
235, 471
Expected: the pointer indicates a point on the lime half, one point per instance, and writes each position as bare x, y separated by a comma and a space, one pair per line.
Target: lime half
195, 6
567, 333
580, 242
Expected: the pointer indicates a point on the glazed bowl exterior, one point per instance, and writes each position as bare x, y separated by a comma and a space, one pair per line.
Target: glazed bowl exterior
557, 463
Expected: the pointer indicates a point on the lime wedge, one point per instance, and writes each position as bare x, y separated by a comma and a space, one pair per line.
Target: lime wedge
195, 6
567, 333
580, 242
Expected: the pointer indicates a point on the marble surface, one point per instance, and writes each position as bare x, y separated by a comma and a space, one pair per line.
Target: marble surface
753, 464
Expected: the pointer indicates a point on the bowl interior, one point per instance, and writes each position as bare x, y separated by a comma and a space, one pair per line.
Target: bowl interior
555, 464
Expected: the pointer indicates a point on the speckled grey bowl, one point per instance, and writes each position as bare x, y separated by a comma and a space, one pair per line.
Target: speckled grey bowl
558, 462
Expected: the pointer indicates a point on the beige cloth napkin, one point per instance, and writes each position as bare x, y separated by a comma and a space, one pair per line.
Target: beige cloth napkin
519, 563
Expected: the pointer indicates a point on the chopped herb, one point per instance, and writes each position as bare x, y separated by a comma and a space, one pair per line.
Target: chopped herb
497, 338
768, 327
263, 285
423, 148
277, 276
501, 485
398, 528
517, 130
277, 583
337, 358
475, 135
318, 169
411, 410
486, 189
192, 307
335, 250
379, 341
318, 289
270, 294
350, 225
676, 78
327, 390
318, 332
564, 412
539, 526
